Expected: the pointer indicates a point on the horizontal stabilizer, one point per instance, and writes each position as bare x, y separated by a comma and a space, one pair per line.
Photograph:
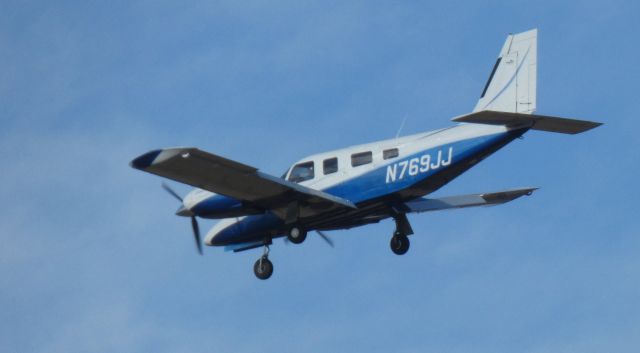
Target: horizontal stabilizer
535, 122
486, 199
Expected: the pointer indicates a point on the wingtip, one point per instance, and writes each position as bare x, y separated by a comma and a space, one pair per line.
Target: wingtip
144, 161
589, 125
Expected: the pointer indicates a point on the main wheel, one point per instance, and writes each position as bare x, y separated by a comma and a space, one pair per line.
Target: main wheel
263, 268
399, 244
296, 234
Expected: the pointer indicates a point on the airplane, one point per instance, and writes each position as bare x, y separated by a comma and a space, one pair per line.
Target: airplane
362, 184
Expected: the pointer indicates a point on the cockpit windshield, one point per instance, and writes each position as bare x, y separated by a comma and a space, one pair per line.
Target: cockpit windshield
301, 172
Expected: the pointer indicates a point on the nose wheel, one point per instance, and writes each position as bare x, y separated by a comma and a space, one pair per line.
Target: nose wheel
263, 268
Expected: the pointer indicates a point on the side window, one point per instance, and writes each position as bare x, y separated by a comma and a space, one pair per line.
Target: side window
390, 153
330, 165
302, 172
361, 158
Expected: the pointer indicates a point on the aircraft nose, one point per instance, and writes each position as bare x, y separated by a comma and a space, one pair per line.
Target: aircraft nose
184, 212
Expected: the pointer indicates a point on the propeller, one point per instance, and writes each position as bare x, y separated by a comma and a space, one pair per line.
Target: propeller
194, 221
170, 190
196, 233
325, 237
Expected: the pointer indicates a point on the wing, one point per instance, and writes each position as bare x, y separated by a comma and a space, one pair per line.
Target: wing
486, 199
226, 177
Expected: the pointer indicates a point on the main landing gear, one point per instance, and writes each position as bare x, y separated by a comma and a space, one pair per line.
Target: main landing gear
263, 268
400, 241
296, 234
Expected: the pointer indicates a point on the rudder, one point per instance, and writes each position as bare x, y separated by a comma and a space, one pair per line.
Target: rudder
511, 87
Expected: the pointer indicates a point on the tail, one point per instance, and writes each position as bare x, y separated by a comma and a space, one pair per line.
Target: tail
509, 97
512, 84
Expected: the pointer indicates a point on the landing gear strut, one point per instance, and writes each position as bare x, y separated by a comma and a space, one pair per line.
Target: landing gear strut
263, 268
400, 242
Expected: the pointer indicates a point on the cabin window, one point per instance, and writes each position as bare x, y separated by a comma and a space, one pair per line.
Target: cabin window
361, 158
330, 165
390, 153
302, 172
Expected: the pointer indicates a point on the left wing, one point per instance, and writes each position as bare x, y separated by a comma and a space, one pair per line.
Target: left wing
486, 199
226, 177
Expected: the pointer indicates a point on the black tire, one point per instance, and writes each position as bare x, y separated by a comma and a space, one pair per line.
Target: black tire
263, 268
296, 234
399, 244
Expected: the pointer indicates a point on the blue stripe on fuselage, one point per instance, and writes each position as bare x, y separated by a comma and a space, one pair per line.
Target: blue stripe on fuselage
372, 185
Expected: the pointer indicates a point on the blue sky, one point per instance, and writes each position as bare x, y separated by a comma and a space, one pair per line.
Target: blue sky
93, 259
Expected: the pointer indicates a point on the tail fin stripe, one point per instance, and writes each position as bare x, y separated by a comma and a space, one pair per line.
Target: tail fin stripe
515, 74
493, 72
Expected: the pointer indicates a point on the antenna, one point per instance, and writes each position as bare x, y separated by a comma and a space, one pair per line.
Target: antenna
404, 120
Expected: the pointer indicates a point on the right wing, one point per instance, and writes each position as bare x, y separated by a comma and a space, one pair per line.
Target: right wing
486, 199
230, 178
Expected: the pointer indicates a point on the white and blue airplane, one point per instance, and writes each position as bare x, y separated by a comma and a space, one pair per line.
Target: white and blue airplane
362, 184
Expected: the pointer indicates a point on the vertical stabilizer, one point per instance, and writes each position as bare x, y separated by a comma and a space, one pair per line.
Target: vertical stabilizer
511, 87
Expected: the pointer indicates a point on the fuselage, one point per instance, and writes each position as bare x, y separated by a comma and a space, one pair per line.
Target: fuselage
378, 177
